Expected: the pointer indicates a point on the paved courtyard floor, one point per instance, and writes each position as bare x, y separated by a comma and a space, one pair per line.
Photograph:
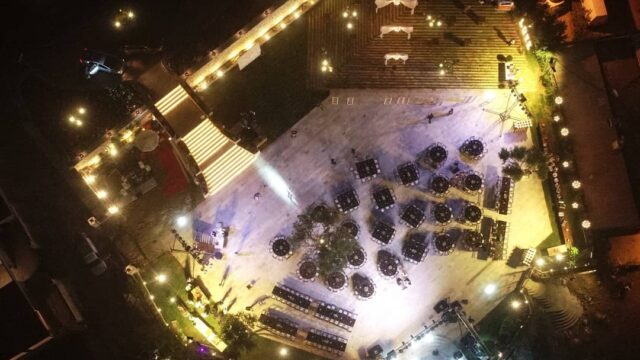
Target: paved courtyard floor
295, 172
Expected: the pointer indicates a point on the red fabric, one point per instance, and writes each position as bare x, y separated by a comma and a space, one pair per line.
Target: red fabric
174, 180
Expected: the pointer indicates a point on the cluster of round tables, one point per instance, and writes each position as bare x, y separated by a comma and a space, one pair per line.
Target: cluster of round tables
444, 243
442, 213
281, 247
439, 184
336, 280
357, 258
308, 270
473, 182
472, 213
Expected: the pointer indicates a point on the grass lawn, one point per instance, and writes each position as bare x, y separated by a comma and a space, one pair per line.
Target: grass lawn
269, 349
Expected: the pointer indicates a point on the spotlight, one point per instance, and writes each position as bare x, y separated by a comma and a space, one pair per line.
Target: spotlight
182, 220
490, 289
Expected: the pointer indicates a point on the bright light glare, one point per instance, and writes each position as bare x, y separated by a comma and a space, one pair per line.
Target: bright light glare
515, 304
101, 194
564, 131
161, 278
540, 262
117, 24
345, 14
72, 119
559, 100
130, 14
90, 179
81, 110
283, 351
559, 256
220, 73
489, 96
576, 184
575, 205
349, 26
490, 289
113, 209
172, 300
586, 224
429, 337
565, 164
275, 181
181, 221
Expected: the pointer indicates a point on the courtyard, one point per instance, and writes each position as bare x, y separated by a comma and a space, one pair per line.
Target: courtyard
311, 165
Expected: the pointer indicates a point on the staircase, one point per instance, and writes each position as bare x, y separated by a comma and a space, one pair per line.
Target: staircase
563, 308
358, 55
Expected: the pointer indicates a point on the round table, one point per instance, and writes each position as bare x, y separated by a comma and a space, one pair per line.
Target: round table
442, 213
351, 228
281, 247
444, 243
308, 270
363, 286
388, 266
474, 147
437, 153
336, 280
439, 184
357, 257
472, 213
472, 239
473, 182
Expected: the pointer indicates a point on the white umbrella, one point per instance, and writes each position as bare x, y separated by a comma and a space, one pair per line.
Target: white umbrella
147, 141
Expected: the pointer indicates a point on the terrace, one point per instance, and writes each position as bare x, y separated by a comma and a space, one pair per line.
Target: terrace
295, 172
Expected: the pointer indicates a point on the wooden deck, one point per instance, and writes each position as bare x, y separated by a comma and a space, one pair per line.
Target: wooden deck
357, 55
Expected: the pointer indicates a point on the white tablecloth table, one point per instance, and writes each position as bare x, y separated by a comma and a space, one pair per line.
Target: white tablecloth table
396, 57
385, 29
411, 4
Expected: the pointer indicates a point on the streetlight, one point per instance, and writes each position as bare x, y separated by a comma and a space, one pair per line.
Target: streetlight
566, 164
576, 184
113, 209
558, 100
349, 26
283, 351
586, 224
161, 278
540, 262
575, 205
556, 118
90, 179
102, 194
559, 257
117, 24
564, 131
82, 110
515, 304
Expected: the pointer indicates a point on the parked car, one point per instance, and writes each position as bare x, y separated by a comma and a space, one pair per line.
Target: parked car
95, 61
89, 254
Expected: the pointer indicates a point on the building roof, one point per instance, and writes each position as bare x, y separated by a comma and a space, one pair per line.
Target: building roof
20, 326
625, 250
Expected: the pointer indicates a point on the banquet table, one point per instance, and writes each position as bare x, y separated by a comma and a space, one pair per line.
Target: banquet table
385, 29
411, 4
396, 56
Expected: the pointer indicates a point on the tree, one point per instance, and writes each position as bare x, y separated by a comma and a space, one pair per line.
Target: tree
301, 229
504, 155
514, 171
332, 256
518, 153
534, 157
236, 334
324, 215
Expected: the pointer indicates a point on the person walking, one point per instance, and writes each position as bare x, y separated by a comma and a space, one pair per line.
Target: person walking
450, 112
430, 117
